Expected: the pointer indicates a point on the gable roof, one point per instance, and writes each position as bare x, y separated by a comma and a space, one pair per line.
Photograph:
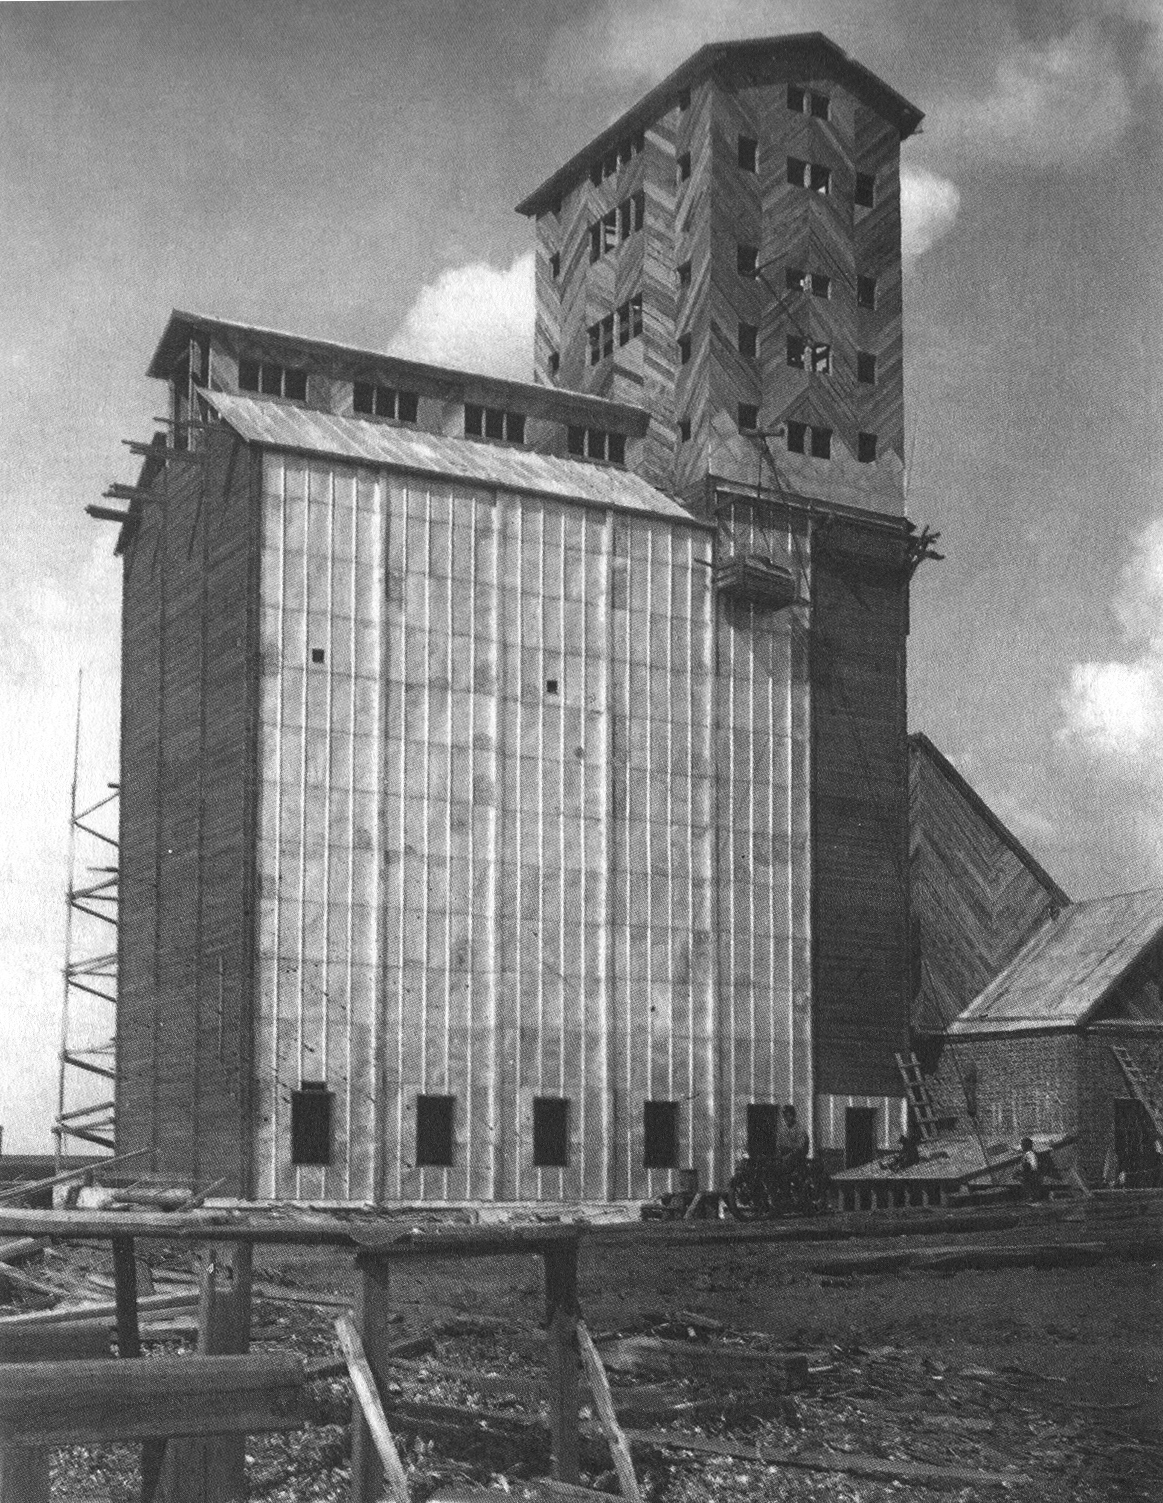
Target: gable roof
810, 45
1069, 968
303, 430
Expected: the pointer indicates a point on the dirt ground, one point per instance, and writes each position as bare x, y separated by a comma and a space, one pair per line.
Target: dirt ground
1051, 1378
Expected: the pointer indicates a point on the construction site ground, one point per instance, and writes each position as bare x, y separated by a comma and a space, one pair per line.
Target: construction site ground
1048, 1377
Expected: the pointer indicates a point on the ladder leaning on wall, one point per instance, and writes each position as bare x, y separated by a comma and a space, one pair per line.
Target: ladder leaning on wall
1139, 1087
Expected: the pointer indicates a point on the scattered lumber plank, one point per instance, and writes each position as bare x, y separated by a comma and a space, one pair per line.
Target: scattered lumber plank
95, 1311
922, 1474
72, 1339
22, 1247
604, 1404
364, 1383
638, 1354
86, 1403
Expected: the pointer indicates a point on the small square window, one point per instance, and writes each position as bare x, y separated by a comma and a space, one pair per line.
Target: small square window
555, 265
248, 375
576, 441
474, 420
821, 284
866, 368
821, 443
684, 167
550, 1132
748, 417
797, 437
318, 655
796, 98
551, 686
434, 1134
866, 292
363, 397
407, 406
866, 448
684, 349
746, 260
748, 154
748, 340
684, 275
311, 1124
295, 385
684, 431
819, 106
865, 194
660, 1135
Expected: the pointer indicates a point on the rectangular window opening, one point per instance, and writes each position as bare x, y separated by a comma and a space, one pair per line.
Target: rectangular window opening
639, 202
616, 448
866, 292
595, 242
797, 437
822, 359
594, 333
434, 1131
684, 167
660, 1135
554, 363
295, 385
407, 406
607, 335
866, 448
797, 172
272, 380
746, 259
748, 154
494, 422
748, 417
551, 686
866, 368
684, 431
821, 284
248, 375
795, 352
794, 278
819, 106
311, 1123
865, 194
748, 340
684, 274
684, 349
636, 314
796, 98
363, 397
576, 441
515, 427
595, 443
555, 265
821, 443
318, 655
474, 420
550, 1132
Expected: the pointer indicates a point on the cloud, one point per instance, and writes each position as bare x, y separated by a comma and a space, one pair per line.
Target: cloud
1113, 710
476, 317
929, 206
1060, 104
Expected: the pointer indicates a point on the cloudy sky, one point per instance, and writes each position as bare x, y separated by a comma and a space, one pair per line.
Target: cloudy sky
348, 170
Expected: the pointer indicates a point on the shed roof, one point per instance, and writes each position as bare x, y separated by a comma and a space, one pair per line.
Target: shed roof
303, 430
812, 46
1069, 968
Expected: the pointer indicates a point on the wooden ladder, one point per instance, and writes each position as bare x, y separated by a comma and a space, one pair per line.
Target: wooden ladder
920, 1099
1139, 1088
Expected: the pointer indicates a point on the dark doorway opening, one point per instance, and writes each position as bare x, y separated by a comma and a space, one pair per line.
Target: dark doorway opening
859, 1136
550, 1132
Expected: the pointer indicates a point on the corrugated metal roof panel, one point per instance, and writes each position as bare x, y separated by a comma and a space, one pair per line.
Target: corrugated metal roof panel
311, 432
1069, 967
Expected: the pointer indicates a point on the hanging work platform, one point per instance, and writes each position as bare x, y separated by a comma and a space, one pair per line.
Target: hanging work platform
757, 580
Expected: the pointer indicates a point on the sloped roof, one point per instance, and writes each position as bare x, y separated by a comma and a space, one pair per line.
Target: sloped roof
306, 431
811, 45
1069, 968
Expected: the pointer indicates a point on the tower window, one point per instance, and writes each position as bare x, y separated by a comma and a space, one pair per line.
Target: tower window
794, 278
576, 441
866, 292
866, 448
318, 655
796, 98
818, 283
660, 1135
272, 380
746, 260
809, 175
797, 438
805, 355
684, 431
630, 319
684, 275
555, 265
550, 1132
820, 106
551, 687
748, 154
748, 417
821, 443
596, 443
865, 194
866, 368
804, 102
802, 439
684, 349
748, 340
311, 1123
372, 400
821, 284
434, 1140
684, 167
617, 226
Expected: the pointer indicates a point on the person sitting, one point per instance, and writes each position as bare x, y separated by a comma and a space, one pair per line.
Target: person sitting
793, 1142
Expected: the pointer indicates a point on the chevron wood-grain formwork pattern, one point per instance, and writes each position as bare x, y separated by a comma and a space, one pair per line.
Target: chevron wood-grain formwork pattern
977, 895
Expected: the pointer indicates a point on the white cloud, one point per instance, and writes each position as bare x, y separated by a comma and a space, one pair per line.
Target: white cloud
476, 317
929, 206
1113, 710
1060, 104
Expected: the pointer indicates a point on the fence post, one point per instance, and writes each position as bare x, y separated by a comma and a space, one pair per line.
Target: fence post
561, 1311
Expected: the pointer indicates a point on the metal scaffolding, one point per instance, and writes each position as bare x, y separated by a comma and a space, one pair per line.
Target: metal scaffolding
89, 999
